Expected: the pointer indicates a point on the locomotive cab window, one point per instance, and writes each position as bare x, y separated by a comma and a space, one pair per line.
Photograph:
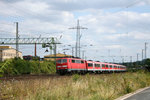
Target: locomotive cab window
64, 61
59, 61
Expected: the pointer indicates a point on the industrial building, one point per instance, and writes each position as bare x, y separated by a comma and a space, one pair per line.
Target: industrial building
52, 57
7, 52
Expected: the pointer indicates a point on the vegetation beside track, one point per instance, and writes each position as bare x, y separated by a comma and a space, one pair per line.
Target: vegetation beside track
19, 66
75, 87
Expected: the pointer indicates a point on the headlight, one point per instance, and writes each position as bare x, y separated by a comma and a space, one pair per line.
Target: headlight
58, 66
64, 66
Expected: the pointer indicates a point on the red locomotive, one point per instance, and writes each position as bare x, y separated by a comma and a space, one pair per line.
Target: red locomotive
69, 65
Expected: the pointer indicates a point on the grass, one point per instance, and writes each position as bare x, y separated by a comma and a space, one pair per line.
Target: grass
75, 87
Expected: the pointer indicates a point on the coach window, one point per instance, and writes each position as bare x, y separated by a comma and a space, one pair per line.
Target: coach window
110, 66
73, 61
107, 66
97, 65
90, 65
103, 65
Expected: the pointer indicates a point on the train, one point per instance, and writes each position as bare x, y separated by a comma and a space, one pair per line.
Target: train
77, 65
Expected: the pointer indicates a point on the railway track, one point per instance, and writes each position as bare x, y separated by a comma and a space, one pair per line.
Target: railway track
27, 77
42, 76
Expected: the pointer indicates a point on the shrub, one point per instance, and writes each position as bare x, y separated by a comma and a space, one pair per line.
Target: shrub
8, 68
126, 86
75, 77
22, 66
19, 66
35, 67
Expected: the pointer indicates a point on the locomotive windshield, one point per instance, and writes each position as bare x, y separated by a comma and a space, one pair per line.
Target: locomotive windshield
60, 61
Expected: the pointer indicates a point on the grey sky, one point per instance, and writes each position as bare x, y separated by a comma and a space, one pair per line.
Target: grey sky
121, 26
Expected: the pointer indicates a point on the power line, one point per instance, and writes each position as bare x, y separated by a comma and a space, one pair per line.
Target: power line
132, 4
146, 50
137, 56
142, 53
17, 36
6, 24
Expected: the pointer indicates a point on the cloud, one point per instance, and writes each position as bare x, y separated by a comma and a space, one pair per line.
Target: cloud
140, 35
114, 47
72, 5
110, 26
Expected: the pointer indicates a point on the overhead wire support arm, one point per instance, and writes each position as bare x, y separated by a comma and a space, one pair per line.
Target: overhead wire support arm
12, 41
29, 41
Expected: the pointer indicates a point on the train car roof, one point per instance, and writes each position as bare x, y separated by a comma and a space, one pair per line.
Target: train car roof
104, 63
89, 61
70, 58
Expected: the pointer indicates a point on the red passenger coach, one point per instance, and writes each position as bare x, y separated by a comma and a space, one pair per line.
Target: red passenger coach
65, 65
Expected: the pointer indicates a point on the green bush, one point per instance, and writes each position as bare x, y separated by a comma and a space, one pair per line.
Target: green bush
45, 68
7, 67
35, 67
22, 66
19, 66
75, 77
126, 85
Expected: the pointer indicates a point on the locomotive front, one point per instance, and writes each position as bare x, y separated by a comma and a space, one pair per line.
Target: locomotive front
62, 65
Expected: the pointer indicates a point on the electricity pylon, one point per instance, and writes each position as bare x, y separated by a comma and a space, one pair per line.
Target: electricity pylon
78, 37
